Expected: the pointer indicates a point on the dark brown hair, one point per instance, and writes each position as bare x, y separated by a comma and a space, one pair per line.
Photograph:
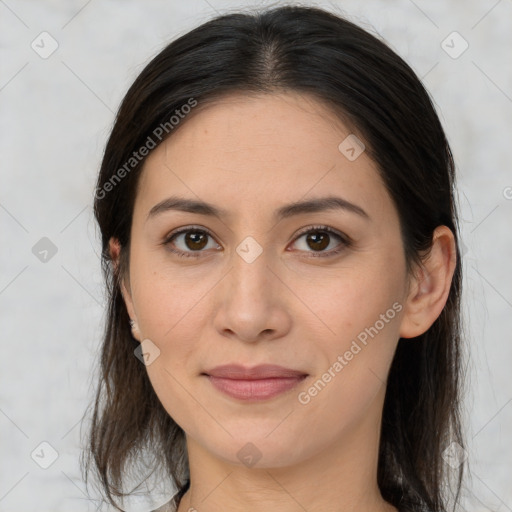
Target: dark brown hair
308, 50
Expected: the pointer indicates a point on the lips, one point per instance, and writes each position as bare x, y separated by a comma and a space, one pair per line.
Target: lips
266, 371
253, 384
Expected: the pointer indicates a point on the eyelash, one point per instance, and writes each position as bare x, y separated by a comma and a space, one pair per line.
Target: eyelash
345, 241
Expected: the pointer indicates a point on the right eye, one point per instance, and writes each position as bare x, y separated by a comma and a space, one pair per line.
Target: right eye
195, 239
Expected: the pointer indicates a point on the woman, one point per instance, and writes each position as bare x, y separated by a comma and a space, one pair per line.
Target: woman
279, 242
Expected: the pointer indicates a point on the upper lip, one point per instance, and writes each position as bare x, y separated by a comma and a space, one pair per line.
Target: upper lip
264, 371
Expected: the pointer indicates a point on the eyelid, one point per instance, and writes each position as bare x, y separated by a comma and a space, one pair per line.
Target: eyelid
346, 241
307, 229
322, 227
185, 229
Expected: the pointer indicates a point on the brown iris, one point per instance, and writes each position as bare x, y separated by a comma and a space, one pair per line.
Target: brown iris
319, 239
196, 240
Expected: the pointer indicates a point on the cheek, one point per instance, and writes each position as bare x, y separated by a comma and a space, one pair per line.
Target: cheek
173, 318
171, 306
360, 310
164, 294
356, 360
343, 301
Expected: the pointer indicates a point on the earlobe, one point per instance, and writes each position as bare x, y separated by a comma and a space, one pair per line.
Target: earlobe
135, 330
430, 286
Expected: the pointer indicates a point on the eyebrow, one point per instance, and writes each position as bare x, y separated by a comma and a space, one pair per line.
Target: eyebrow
300, 207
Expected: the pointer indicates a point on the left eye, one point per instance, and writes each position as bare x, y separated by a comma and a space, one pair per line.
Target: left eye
317, 238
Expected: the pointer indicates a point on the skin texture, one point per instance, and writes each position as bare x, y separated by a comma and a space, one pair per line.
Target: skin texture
251, 155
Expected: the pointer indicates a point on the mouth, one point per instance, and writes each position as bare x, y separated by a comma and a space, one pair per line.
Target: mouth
254, 384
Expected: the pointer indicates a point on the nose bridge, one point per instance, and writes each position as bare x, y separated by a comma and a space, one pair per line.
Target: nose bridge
250, 268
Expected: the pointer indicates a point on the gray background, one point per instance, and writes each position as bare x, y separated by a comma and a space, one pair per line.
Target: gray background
56, 113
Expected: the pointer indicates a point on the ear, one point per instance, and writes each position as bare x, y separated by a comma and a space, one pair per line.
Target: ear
115, 252
430, 286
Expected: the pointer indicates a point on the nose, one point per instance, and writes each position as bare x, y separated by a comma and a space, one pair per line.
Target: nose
252, 300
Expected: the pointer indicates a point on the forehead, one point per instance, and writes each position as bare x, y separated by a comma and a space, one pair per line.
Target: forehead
252, 150
240, 122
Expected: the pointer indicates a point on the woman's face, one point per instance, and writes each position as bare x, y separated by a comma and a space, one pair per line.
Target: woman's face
258, 288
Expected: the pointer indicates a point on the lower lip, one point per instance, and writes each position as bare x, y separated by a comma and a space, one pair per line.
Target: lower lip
257, 389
